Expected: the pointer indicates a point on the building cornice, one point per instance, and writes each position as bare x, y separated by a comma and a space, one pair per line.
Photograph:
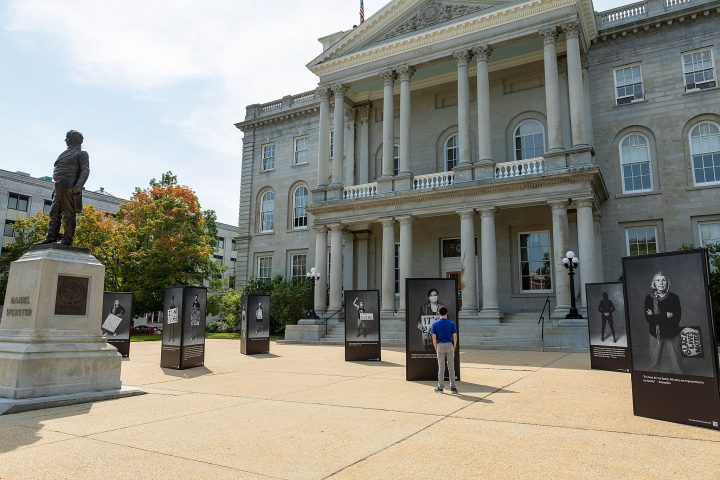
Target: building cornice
279, 117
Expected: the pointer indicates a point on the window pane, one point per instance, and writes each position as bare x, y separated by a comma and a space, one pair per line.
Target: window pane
642, 241
8, 230
529, 140
535, 268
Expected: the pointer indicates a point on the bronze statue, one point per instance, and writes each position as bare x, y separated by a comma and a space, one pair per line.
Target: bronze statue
72, 169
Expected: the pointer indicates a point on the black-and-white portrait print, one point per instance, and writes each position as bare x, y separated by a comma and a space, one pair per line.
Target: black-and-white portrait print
666, 296
116, 315
362, 316
258, 316
606, 315
425, 297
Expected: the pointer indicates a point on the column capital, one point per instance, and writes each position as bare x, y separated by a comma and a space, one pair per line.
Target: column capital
482, 52
405, 73
549, 35
320, 228
336, 227
405, 219
463, 57
363, 112
584, 202
562, 63
388, 76
322, 93
487, 212
572, 29
387, 222
466, 213
558, 204
362, 235
339, 89
350, 114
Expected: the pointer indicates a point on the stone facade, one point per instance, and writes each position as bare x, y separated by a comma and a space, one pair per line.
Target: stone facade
523, 101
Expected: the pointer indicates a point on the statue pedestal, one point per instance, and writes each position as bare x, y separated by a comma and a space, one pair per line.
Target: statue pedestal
51, 344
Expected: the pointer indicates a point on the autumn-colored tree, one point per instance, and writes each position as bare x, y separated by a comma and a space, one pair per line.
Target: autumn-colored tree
27, 231
170, 242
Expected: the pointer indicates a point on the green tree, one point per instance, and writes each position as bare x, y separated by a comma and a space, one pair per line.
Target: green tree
170, 241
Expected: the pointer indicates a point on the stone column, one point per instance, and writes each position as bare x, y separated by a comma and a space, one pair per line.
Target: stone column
320, 299
348, 269
339, 132
363, 163
491, 307
323, 137
406, 255
350, 114
552, 90
467, 256
561, 244
362, 256
405, 74
387, 302
482, 55
575, 84
465, 153
336, 280
388, 124
600, 265
586, 245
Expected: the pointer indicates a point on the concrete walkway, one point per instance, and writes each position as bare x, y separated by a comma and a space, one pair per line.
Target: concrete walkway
303, 412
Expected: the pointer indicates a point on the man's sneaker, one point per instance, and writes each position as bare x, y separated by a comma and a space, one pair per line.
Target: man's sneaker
439, 389
453, 389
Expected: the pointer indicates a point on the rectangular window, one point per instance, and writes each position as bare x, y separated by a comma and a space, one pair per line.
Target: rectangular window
396, 159
233, 245
220, 243
397, 268
699, 70
628, 84
300, 150
47, 205
9, 232
298, 265
268, 157
535, 265
218, 258
709, 233
641, 241
264, 267
18, 202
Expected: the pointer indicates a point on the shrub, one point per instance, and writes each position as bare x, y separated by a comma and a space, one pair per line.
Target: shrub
289, 299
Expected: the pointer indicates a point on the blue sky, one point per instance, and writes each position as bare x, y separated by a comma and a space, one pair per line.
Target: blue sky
155, 85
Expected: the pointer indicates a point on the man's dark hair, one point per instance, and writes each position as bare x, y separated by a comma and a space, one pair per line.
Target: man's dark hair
74, 137
442, 310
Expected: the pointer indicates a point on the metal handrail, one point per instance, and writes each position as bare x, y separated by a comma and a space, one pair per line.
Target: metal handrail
325, 322
542, 317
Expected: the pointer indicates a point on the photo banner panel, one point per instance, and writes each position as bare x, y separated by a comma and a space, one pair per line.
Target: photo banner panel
672, 338
193, 331
424, 296
172, 327
362, 325
117, 314
255, 324
609, 349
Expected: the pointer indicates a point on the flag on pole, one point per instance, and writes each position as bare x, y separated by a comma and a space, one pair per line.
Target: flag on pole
362, 12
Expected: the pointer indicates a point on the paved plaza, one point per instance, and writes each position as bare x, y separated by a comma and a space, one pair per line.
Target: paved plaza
302, 412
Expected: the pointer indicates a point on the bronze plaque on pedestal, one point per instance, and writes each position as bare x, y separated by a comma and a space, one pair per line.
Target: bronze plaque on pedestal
72, 295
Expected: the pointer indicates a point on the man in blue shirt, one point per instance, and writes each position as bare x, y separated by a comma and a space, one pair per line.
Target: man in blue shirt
444, 336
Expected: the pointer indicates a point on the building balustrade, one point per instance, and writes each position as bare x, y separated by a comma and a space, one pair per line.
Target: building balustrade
639, 10
520, 168
433, 180
360, 191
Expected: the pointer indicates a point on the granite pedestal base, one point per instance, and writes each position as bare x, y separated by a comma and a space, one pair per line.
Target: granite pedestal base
50, 338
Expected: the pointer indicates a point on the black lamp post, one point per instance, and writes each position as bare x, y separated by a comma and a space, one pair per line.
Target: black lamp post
571, 262
314, 276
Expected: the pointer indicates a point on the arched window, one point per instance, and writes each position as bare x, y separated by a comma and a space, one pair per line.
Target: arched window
635, 163
450, 152
299, 203
267, 212
705, 152
529, 140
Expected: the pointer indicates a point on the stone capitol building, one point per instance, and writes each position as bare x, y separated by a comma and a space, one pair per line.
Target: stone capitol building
482, 140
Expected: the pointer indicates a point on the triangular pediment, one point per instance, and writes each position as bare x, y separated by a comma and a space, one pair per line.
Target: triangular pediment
403, 18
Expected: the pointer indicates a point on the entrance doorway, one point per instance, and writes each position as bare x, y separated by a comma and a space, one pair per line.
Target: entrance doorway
458, 293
